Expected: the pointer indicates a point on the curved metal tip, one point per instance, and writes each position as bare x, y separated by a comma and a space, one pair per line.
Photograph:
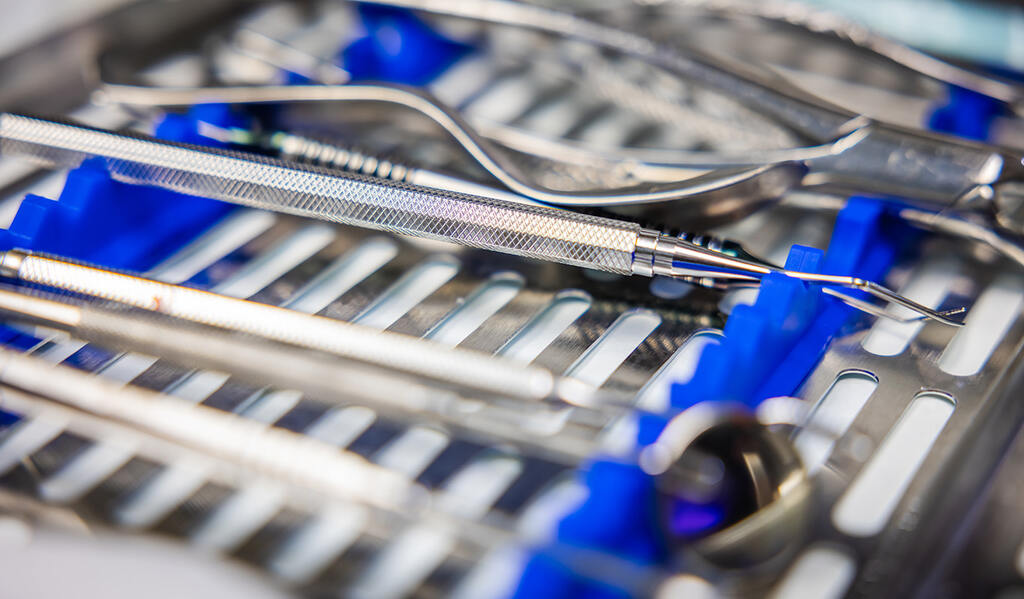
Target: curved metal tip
689, 260
891, 296
923, 313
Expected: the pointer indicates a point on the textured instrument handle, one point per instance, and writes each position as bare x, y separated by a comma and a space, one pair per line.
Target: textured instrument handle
532, 231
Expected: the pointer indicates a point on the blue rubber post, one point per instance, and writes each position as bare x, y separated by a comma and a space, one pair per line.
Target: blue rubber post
400, 48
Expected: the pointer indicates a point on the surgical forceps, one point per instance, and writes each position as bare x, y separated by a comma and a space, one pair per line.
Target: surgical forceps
933, 172
972, 190
539, 232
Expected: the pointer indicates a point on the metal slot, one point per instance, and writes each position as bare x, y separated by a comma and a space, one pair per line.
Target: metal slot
821, 572
12, 170
403, 564
543, 514
238, 518
342, 427
506, 100
614, 346
408, 291
197, 386
872, 498
343, 274
987, 323
182, 69
544, 328
234, 231
483, 303
317, 543
494, 577
86, 471
269, 266
406, 561
125, 367
412, 451
670, 289
833, 415
462, 80
610, 130
50, 186
154, 501
475, 488
25, 439
271, 406
556, 118
654, 395
739, 297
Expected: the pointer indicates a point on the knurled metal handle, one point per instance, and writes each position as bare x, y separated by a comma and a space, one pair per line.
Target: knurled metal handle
531, 231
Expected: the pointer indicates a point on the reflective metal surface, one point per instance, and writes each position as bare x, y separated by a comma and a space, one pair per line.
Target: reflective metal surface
936, 405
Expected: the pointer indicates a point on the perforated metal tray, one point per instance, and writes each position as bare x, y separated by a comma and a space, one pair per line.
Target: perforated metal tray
902, 502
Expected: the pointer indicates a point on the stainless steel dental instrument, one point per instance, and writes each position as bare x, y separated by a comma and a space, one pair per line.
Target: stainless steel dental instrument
761, 182
280, 454
687, 470
237, 453
532, 427
976, 204
309, 151
549, 431
563, 236
351, 341
539, 428
935, 171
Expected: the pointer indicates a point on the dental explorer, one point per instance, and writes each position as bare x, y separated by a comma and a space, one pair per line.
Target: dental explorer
538, 232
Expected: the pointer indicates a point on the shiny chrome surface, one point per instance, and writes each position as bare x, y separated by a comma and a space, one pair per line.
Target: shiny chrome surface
251, 257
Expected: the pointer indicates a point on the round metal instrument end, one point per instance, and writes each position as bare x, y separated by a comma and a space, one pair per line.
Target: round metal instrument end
10, 262
729, 488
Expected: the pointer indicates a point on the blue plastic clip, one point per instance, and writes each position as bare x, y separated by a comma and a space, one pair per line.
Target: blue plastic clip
768, 349
399, 47
966, 113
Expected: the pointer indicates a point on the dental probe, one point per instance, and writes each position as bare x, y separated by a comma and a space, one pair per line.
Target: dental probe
561, 434
538, 232
564, 429
421, 357
216, 434
236, 453
531, 427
